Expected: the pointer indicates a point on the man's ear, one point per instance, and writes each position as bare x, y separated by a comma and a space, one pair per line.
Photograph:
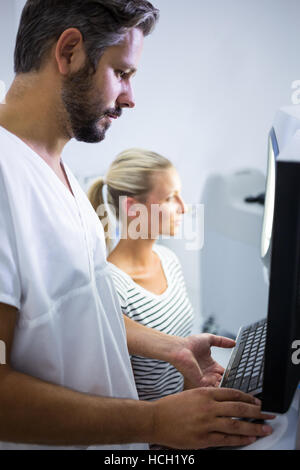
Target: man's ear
69, 51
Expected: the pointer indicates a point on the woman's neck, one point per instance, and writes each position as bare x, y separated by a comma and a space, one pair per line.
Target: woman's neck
133, 253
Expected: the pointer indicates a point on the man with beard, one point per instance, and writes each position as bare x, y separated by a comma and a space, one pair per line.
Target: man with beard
68, 381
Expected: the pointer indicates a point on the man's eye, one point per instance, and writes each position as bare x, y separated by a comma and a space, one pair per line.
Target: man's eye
121, 74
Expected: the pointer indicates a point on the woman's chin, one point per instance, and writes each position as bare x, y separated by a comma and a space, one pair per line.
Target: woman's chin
170, 233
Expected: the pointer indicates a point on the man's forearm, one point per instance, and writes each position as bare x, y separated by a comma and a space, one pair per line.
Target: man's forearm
148, 342
37, 412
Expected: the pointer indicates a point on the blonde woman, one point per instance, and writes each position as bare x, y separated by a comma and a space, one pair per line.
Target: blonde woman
144, 190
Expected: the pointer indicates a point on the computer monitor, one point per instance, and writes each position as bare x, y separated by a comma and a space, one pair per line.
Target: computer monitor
266, 238
280, 250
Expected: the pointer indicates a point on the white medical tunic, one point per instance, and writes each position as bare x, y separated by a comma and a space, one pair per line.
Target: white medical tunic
70, 329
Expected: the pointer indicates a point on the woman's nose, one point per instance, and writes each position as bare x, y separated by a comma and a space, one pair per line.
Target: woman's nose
182, 206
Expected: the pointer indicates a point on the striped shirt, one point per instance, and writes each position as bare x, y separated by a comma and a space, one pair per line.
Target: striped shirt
170, 312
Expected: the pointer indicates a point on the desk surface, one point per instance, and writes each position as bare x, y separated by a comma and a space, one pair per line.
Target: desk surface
284, 426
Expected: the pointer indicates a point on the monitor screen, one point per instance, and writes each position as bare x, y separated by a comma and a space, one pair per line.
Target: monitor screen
281, 242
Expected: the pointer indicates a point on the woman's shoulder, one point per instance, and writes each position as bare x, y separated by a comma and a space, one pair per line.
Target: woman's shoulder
120, 278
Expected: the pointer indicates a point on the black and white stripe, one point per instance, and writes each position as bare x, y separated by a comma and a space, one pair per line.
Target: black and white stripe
170, 312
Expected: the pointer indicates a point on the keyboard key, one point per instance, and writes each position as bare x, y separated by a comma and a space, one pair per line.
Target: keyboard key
237, 358
229, 384
246, 379
253, 383
237, 383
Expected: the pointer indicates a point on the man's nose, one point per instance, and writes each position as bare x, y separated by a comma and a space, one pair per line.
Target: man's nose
126, 98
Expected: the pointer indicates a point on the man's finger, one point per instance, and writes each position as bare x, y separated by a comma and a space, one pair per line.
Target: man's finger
242, 428
242, 410
230, 394
217, 439
222, 342
211, 380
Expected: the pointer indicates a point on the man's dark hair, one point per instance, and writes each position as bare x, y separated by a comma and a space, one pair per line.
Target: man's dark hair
102, 24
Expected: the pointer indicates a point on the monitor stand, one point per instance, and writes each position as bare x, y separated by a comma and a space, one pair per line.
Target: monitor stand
285, 429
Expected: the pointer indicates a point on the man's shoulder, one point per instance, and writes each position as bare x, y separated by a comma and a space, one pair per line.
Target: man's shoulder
10, 147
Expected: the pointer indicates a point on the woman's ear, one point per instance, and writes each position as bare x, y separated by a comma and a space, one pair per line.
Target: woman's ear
125, 203
129, 209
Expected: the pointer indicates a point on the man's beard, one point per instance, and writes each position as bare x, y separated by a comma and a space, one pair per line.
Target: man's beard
84, 112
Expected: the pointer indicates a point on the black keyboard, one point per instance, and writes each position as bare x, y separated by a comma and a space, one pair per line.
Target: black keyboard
246, 365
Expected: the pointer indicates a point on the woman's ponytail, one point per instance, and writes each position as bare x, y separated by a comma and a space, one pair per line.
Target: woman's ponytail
95, 195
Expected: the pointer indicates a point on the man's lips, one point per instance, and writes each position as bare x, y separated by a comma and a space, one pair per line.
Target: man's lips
112, 116
114, 113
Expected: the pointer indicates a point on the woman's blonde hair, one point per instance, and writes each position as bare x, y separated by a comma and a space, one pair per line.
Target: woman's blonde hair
130, 174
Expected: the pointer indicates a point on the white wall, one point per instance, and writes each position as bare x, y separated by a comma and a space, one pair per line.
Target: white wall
211, 77
7, 32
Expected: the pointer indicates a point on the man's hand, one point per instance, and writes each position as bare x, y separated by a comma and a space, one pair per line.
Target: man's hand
192, 357
206, 417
